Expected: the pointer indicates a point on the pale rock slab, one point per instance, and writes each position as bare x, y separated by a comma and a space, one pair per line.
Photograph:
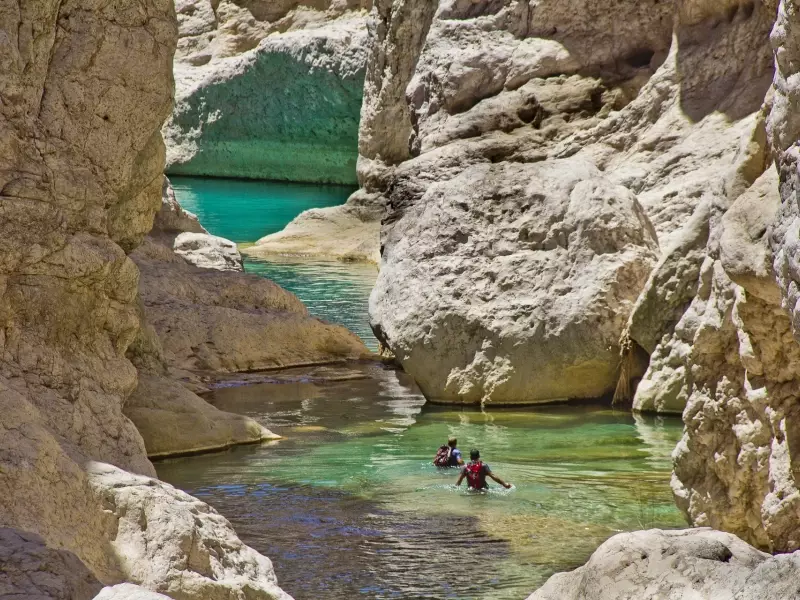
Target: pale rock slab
128, 591
208, 251
696, 564
171, 543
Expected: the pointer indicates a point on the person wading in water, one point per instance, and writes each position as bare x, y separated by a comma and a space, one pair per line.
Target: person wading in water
449, 455
476, 473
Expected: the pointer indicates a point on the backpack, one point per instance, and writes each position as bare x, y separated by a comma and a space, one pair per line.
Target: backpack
476, 477
442, 458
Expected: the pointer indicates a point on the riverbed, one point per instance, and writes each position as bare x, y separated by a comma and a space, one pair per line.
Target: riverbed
348, 505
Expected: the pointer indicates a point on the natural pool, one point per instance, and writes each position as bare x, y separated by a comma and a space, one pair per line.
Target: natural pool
244, 211
349, 506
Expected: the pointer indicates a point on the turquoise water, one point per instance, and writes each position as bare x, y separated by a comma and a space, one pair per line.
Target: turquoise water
335, 291
244, 211
349, 505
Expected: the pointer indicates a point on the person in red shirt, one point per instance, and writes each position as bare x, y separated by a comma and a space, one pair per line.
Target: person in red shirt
476, 473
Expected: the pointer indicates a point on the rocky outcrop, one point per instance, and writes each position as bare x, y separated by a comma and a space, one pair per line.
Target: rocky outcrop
351, 232
200, 316
174, 544
268, 90
640, 134
33, 571
84, 90
700, 563
208, 251
128, 591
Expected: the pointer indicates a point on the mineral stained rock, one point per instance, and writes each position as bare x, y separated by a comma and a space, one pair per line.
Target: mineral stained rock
268, 90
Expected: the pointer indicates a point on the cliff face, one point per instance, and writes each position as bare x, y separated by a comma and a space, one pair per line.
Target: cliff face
557, 154
736, 466
84, 89
268, 90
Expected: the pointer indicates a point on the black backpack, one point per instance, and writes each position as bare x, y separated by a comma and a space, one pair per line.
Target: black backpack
442, 458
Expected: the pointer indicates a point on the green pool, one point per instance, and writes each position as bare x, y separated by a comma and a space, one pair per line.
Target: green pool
349, 506
244, 211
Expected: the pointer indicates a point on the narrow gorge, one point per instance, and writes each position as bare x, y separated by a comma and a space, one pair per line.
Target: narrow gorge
259, 259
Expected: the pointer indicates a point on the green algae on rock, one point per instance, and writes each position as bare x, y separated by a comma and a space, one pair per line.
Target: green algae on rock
285, 110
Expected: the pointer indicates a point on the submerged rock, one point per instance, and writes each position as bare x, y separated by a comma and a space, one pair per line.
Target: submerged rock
701, 564
268, 90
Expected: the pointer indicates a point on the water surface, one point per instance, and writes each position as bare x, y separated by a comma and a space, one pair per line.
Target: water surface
244, 210
349, 506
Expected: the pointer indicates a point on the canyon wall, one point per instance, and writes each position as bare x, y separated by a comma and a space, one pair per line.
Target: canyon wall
84, 90
268, 90
545, 187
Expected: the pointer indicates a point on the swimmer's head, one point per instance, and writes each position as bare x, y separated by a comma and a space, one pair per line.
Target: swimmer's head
452, 442
474, 454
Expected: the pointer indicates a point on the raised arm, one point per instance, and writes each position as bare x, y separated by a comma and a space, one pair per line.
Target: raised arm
497, 479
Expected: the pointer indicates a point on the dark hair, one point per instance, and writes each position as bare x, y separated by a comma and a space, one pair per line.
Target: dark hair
452, 442
474, 454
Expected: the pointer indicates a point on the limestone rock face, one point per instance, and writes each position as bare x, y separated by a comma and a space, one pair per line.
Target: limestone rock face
397, 31
697, 563
208, 251
734, 468
174, 544
632, 104
268, 90
84, 90
555, 252
33, 571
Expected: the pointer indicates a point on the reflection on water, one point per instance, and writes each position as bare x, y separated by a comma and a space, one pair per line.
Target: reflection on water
244, 210
334, 291
349, 505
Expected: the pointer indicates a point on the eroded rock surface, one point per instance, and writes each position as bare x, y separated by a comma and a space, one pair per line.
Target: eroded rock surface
698, 563
84, 90
268, 90
31, 570
511, 87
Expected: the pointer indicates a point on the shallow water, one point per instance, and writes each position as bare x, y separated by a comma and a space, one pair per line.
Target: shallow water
349, 505
244, 211
335, 291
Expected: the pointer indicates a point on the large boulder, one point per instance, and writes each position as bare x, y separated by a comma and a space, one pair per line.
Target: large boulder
700, 564
510, 283
268, 90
